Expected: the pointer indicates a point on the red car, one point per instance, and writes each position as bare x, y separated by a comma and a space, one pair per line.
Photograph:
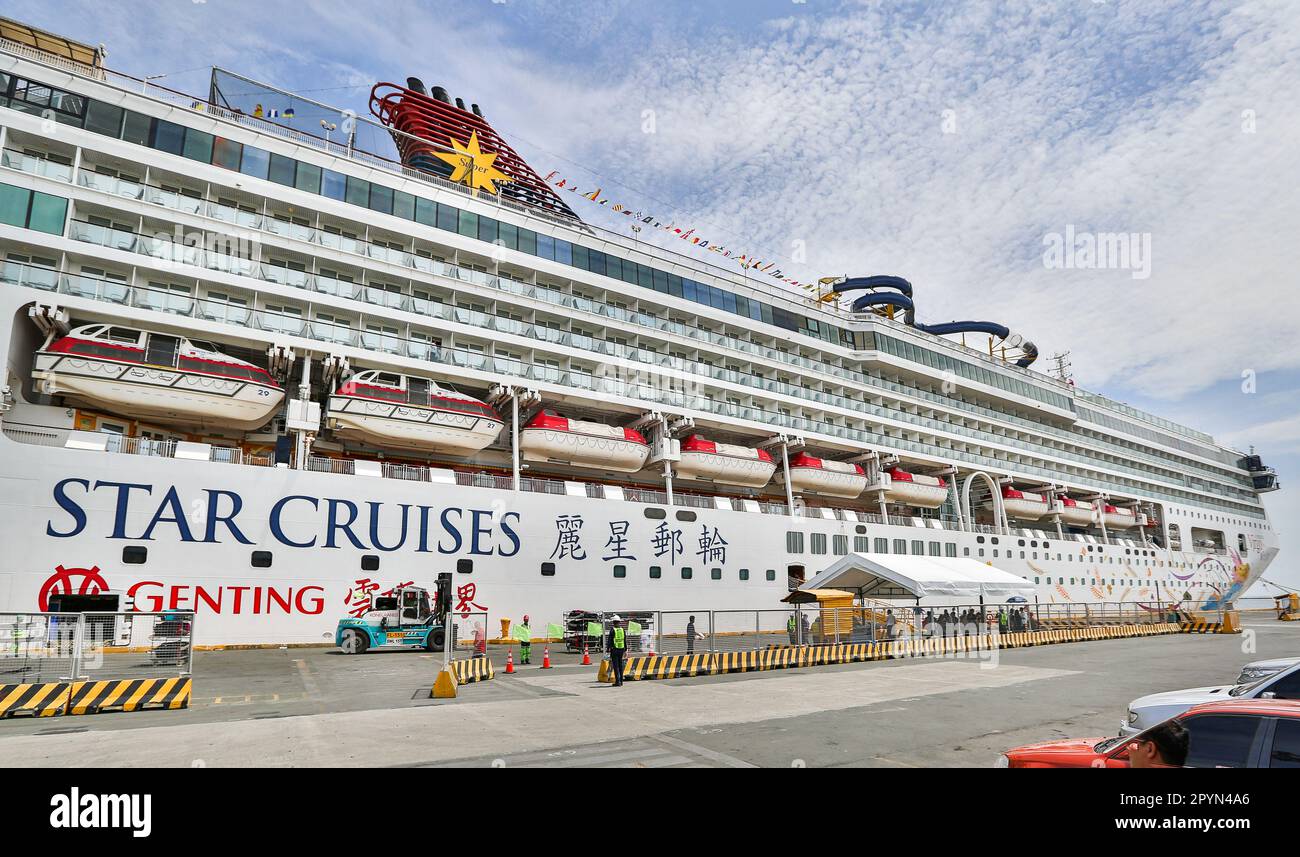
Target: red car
1235, 733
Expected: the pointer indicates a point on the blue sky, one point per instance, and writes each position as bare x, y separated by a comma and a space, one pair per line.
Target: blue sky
936, 140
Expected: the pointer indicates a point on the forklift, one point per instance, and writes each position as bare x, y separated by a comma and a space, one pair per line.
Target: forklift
406, 618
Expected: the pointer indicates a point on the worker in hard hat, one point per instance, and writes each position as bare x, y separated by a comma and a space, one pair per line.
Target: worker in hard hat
524, 634
617, 645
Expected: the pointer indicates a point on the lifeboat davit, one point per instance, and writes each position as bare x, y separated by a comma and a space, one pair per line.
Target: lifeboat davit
724, 463
1024, 505
1077, 513
405, 412
915, 489
146, 375
810, 475
1119, 519
550, 437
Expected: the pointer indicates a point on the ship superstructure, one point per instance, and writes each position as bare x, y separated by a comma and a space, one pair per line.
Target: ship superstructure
260, 373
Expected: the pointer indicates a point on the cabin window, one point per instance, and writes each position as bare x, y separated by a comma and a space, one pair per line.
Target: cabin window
861, 544
656, 572
370, 562
687, 572
860, 529
465, 566
656, 514
686, 516
620, 571
135, 554
548, 569
794, 542
744, 574
840, 544
882, 545
936, 548
771, 574
715, 573
950, 549
818, 542
261, 559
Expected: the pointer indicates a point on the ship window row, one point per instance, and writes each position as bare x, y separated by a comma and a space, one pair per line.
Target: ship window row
656, 572
289, 320
201, 146
794, 544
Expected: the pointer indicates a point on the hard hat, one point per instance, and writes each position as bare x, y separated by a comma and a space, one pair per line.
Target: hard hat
616, 618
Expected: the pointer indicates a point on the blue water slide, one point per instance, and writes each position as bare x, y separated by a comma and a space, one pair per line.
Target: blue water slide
882, 298
876, 281
901, 295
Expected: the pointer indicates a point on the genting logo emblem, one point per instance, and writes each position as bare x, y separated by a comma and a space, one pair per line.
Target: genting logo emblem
61, 583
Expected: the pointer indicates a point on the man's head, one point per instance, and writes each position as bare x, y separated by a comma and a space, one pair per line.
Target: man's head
692, 618
1163, 746
525, 618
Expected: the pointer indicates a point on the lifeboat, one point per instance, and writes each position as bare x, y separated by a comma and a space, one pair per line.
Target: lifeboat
1024, 505
1077, 513
550, 437
914, 489
810, 475
406, 412
146, 375
724, 463
1119, 519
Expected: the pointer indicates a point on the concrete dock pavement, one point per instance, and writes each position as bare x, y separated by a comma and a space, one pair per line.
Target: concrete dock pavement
313, 707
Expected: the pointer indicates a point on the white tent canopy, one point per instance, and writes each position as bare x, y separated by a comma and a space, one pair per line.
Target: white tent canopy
883, 575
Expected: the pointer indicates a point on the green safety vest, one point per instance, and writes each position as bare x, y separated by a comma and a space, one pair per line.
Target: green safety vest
620, 638
789, 625
523, 633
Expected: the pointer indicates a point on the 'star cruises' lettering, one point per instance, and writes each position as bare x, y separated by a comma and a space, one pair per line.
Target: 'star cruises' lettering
296, 521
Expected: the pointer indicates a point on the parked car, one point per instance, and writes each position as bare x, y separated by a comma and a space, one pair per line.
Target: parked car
1147, 711
1256, 670
1231, 733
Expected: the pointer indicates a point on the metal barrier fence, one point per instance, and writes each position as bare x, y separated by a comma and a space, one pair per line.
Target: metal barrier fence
53, 647
685, 631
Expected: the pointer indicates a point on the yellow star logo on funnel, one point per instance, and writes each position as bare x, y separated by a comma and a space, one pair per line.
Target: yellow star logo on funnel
473, 166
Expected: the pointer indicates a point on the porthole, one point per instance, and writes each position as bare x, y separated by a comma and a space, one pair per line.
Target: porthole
548, 569
135, 554
261, 559
370, 562
656, 514
685, 516
465, 566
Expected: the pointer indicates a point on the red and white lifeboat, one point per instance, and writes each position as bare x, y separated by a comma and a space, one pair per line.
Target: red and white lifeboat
811, 475
724, 463
1024, 505
915, 489
550, 437
141, 374
1077, 513
406, 412
1119, 519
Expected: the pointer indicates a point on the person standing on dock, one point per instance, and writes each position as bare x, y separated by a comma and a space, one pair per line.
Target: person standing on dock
691, 636
524, 634
617, 645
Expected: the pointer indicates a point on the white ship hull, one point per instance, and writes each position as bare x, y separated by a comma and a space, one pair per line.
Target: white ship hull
201, 521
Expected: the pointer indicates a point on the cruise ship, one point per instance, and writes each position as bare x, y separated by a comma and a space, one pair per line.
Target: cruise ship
264, 367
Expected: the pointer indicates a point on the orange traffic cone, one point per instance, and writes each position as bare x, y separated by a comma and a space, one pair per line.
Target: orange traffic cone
510, 661
546, 658
586, 656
